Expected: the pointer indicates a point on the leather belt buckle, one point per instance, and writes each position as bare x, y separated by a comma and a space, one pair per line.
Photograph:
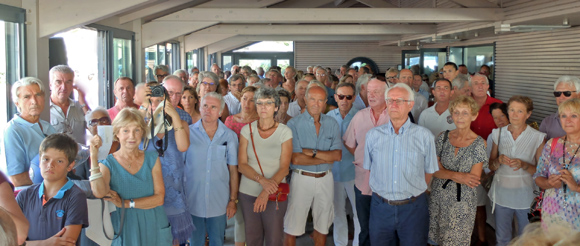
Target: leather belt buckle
314, 175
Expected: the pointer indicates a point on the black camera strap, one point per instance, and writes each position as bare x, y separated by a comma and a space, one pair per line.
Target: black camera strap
161, 150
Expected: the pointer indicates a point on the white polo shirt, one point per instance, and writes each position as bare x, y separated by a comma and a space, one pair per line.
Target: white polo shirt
436, 123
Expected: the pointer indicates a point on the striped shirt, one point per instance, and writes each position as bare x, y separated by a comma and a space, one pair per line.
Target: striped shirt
398, 162
233, 103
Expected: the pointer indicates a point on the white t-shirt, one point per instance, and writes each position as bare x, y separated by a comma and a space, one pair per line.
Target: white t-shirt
269, 151
436, 123
420, 105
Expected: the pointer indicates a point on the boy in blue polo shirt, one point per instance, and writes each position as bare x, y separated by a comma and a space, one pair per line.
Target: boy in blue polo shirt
55, 208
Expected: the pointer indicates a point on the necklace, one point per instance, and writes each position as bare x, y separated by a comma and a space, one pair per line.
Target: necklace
259, 127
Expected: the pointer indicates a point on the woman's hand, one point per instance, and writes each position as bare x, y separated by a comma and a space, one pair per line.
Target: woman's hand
567, 178
95, 143
261, 202
503, 159
468, 179
269, 185
516, 164
555, 181
113, 197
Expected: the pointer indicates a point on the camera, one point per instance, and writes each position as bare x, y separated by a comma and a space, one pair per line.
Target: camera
157, 91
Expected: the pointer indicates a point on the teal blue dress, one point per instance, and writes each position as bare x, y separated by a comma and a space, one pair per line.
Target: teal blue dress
141, 226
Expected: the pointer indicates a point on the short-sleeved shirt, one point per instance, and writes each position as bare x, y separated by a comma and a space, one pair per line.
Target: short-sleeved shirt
484, 123
67, 207
294, 109
330, 98
435, 122
343, 170
423, 92
421, 104
355, 137
269, 152
552, 127
305, 137
21, 142
398, 162
73, 123
114, 111
3, 179
207, 176
358, 103
233, 103
184, 116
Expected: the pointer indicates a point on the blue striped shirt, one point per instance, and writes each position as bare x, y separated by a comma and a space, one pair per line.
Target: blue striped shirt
398, 162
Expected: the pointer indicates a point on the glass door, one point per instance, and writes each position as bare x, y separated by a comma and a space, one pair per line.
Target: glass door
432, 60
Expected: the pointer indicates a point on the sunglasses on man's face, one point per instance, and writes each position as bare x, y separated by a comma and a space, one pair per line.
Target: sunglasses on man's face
103, 121
566, 93
341, 97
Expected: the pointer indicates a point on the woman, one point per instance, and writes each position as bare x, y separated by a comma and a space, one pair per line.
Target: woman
558, 172
272, 142
462, 157
514, 163
223, 89
235, 123
189, 102
347, 78
12, 208
281, 115
290, 83
208, 82
132, 179
170, 144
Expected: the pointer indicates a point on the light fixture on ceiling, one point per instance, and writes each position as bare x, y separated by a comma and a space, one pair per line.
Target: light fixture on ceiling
528, 28
476, 34
565, 22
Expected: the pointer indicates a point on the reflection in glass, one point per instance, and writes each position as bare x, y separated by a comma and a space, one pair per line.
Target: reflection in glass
122, 58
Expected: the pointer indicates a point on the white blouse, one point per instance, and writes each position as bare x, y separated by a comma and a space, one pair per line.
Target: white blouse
515, 189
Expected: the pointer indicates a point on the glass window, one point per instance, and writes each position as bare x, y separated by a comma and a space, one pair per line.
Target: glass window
283, 63
433, 61
269, 46
254, 63
456, 55
475, 57
227, 61
122, 62
412, 59
150, 62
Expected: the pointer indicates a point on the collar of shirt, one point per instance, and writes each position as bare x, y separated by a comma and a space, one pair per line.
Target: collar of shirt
403, 128
36, 126
218, 132
350, 113
60, 192
372, 115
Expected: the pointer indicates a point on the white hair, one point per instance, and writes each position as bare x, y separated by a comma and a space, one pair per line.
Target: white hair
63, 69
89, 114
362, 80
404, 86
315, 83
460, 82
26, 81
568, 80
479, 75
216, 96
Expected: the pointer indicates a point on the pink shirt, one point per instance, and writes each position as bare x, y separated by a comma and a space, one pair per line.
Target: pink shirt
355, 136
114, 111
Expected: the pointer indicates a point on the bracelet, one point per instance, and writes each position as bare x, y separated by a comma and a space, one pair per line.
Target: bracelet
178, 128
257, 178
83, 105
97, 168
95, 176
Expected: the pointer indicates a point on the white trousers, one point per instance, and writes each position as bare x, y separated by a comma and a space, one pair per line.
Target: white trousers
342, 190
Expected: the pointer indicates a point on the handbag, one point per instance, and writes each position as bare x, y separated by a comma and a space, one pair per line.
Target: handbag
283, 188
536, 206
100, 224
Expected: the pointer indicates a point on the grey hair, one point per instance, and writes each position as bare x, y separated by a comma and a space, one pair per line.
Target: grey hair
258, 84
206, 74
479, 75
362, 80
236, 77
404, 86
174, 77
141, 84
180, 71
284, 93
349, 85
568, 80
264, 80
89, 114
26, 81
253, 76
309, 67
160, 67
216, 96
267, 93
64, 69
460, 82
392, 70
316, 83
247, 68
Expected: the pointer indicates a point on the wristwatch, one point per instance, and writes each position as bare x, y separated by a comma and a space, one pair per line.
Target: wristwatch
314, 151
132, 204
234, 200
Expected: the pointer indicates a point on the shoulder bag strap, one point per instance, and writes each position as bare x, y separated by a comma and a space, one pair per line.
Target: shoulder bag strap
498, 140
553, 146
445, 137
103, 204
254, 147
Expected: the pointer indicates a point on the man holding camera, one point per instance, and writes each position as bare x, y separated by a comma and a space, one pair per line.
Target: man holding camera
174, 86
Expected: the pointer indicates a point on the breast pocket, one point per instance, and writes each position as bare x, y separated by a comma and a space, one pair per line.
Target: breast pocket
412, 160
219, 152
324, 144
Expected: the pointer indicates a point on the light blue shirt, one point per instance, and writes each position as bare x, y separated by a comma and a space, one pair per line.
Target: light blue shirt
424, 93
21, 142
358, 103
343, 171
207, 176
304, 134
398, 162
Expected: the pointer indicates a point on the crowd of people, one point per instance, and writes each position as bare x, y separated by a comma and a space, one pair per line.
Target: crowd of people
417, 157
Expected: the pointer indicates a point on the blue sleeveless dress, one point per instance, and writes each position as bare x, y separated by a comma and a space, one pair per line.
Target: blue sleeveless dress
172, 166
141, 226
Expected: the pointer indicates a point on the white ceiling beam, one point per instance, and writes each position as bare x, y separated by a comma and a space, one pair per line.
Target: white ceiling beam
475, 3
193, 42
336, 15
301, 4
377, 4
162, 6
227, 44
59, 15
238, 3
316, 29
158, 31
347, 4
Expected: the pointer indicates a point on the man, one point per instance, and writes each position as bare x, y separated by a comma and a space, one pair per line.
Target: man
362, 100
420, 102
299, 105
343, 170
253, 79
565, 87
486, 70
316, 145
211, 173
352, 72
343, 70
174, 86
392, 75
419, 87
363, 70
182, 74
160, 71
194, 70
310, 69
483, 124
354, 140
260, 72
463, 69
461, 86
124, 93
25, 131
322, 76
194, 79
437, 117
235, 85
309, 77
216, 69
247, 72
235, 69
275, 78
66, 116
140, 94
401, 159
450, 71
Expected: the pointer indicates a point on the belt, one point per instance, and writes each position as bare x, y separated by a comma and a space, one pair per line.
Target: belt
399, 202
315, 175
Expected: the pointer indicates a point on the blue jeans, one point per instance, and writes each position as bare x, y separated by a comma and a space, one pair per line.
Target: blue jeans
503, 223
363, 211
407, 224
215, 228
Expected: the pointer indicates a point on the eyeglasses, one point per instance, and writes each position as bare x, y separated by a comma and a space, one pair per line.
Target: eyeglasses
160, 76
103, 121
267, 103
566, 93
320, 74
341, 97
207, 84
397, 101
171, 93
392, 77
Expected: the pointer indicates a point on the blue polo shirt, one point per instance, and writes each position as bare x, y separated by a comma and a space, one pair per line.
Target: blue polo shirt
67, 207
343, 170
21, 142
305, 137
